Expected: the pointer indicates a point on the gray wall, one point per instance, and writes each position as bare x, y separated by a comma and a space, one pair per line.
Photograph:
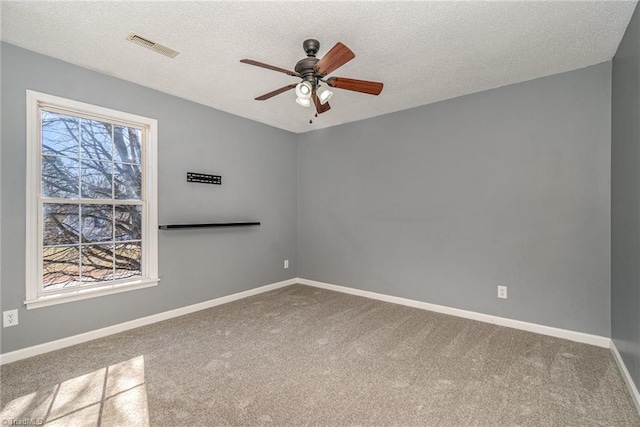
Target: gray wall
439, 203
443, 202
625, 199
257, 164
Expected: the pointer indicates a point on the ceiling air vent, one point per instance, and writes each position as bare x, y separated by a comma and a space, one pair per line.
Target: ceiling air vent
157, 47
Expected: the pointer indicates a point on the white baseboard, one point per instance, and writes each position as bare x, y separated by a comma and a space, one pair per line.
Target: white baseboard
121, 327
633, 390
502, 321
110, 330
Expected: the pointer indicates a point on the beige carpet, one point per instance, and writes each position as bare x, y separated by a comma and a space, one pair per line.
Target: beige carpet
305, 356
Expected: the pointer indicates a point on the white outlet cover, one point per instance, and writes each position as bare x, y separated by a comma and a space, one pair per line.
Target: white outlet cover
9, 318
502, 292
286, 263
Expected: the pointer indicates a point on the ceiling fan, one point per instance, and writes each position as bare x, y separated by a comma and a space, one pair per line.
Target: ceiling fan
313, 71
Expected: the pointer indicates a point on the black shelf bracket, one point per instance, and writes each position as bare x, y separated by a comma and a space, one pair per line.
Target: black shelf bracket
210, 225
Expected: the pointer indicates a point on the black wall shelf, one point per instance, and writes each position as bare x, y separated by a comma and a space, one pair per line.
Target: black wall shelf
211, 225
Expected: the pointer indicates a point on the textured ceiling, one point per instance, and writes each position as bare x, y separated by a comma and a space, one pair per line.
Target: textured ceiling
423, 51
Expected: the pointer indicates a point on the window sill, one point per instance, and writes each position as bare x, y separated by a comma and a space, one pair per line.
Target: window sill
80, 294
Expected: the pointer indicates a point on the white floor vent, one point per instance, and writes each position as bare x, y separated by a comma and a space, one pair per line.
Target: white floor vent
149, 44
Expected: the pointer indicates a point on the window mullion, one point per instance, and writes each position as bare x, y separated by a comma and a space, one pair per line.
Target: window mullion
113, 201
80, 136
79, 157
113, 168
80, 244
91, 201
113, 237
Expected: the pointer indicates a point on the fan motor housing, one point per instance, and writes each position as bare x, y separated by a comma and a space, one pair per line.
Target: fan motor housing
306, 68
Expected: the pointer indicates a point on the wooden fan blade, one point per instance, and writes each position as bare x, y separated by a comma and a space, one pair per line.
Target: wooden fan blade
364, 86
334, 59
275, 92
320, 108
269, 67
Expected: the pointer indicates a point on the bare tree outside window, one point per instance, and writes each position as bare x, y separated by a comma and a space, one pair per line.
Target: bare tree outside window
92, 207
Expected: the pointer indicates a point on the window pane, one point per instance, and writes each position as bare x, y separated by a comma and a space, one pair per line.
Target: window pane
96, 179
97, 263
97, 223
127, 145
59, 177
59, 134
128, 260
128, 222
96, 140
60, 267
127, 181
60, 224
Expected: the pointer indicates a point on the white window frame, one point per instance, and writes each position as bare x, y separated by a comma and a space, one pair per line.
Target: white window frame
34, 231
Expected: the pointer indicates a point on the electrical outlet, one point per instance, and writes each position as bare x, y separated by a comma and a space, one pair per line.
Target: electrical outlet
10, 318
286, 263
502, 291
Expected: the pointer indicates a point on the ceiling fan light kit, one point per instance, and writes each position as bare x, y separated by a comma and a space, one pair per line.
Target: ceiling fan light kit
313, 71
323, 94
305, 102
304, 90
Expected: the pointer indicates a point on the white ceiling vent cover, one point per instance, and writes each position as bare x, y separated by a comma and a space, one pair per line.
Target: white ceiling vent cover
149, 44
